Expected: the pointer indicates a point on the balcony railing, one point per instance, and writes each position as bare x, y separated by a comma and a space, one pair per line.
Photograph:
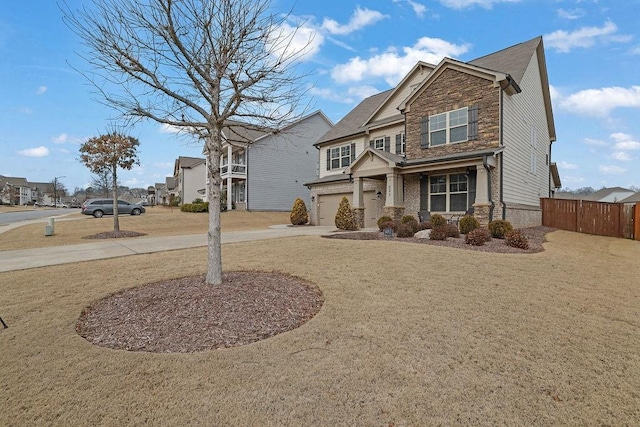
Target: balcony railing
236, 169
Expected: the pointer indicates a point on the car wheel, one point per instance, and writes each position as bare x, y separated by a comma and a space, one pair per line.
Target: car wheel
98, 214
135, 212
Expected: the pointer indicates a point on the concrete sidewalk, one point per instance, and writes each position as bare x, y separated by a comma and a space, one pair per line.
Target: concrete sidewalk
40, 257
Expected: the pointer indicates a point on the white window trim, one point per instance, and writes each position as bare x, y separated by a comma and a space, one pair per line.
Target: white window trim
339, 157
378, 143
448, 127
403, 144
447, 192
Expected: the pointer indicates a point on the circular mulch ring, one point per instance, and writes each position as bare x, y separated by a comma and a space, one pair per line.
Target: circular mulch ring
187, 315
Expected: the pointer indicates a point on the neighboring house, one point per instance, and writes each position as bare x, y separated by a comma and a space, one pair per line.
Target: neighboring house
449, 137
265, 171
42, 192
635, 198
14, 191
190, 175
170, 191
611, 195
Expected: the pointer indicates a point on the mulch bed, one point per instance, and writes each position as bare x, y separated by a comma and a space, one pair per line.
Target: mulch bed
188, 315
114, 235
536, 236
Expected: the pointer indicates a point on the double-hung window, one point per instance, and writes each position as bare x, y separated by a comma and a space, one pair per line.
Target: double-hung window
449, 127
448, 193
340, 157
378, 144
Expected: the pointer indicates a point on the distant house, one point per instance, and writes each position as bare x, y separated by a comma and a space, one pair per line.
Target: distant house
264, 170
634, 198
449, 138
42, 193
14, 191
190, 175
611, 195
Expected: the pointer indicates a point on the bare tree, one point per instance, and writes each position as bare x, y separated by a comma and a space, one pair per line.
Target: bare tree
196, 65
111, 151
102, 182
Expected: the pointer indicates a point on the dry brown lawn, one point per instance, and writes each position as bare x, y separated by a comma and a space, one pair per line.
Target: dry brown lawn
157, 221
408, 335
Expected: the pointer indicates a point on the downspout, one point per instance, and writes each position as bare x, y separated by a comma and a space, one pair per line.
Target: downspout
488, 169
504, 206
246, 182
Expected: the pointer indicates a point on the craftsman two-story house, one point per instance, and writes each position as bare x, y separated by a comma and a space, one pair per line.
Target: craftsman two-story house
450, 138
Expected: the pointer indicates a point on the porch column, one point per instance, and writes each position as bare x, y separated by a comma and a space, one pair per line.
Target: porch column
395, 197
358, 205
482, 206
229, 192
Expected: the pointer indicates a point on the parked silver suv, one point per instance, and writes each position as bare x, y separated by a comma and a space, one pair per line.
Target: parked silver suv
100, 207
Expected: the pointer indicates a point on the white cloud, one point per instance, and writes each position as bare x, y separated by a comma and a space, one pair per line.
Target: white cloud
612, 170
41, 151
353, 94
165, 128
624, 142
621, 156
570, 14
461, 4
360, 19
41, 90
567, 165
600, 102
392, 64
563, 41
299, 41
595, 142
60, 139
418, 8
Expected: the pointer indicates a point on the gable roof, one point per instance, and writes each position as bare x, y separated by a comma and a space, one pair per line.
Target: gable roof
318, 113
605, 192
634, 198
509, 64
354, 122
185, 162
14, 181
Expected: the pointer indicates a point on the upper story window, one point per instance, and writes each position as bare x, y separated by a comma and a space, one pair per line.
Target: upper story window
449, 127
378, 143
401, 144
340, 157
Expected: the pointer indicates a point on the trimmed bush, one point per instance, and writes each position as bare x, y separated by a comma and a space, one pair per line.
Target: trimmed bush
344, 217
516, 239
389, 224
437, 219
198, 200
426, 225
383, 219
405, 230
407, 218
411, 221
195, 207
439, 232
299, 214
468, 223
499, 228
477, 237
452, 230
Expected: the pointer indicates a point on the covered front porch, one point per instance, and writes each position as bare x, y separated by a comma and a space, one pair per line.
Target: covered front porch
233, 174
451, 185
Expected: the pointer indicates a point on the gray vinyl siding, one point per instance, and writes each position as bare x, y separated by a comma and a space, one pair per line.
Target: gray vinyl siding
279, 165
521, 111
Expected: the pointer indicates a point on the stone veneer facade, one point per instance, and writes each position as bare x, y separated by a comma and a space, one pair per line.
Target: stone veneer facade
450, 91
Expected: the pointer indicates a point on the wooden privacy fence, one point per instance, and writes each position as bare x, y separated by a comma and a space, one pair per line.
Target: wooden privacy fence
583, 216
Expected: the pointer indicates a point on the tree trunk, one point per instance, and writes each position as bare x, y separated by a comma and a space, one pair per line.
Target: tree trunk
214, 249
116, 222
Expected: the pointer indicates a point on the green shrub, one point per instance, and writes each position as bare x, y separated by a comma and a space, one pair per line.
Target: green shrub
198, 200
383, 219
195, 207
299, 214
468, 223
405, 230
411, 221
516, 239
407, 218
437, 219
477, 237
344, 217
499, 228
438, 232
452, 230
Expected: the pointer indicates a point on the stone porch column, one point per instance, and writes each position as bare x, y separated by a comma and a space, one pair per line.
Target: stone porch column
395, 198
482, 206
358, 202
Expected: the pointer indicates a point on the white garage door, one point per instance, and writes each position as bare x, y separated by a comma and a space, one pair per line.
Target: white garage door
328, 207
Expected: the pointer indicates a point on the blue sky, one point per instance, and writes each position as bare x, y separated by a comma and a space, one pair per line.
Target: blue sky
359, 48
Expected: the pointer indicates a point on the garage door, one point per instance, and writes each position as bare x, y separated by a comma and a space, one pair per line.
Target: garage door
328, 207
